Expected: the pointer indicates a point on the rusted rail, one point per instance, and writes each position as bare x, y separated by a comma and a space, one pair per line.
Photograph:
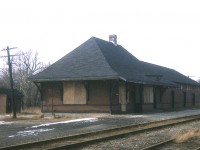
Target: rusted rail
167, 144
96, 136
157, 145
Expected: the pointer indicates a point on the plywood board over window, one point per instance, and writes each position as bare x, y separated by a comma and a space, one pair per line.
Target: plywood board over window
74, 93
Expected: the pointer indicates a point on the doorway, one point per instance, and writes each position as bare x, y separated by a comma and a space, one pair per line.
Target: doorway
172, 99
155, 98
193, 99
138, 99
184, 99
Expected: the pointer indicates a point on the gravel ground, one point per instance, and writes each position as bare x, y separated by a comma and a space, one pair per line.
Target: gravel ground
143, 140
21, 131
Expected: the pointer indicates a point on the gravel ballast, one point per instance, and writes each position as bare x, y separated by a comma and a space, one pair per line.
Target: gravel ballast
143, 140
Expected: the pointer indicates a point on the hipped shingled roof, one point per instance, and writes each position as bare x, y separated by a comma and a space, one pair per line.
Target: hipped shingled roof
97, 59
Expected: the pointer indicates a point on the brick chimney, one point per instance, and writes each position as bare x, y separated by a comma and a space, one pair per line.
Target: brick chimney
113, 39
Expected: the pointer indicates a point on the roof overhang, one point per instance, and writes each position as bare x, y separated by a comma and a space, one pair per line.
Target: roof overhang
154, 83
74, 79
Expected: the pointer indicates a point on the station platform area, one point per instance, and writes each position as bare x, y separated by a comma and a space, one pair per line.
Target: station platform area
16, 132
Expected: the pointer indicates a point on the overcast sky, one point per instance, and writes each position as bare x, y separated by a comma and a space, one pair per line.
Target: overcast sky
163, 32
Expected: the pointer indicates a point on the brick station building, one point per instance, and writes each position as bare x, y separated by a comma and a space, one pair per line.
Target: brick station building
102, 76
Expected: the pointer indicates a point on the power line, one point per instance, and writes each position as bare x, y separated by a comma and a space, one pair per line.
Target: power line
7, 56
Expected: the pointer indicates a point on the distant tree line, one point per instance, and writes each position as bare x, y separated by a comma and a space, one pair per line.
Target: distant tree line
24, 64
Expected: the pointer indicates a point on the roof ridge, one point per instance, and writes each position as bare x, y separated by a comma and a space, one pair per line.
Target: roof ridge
115, 54
104, 55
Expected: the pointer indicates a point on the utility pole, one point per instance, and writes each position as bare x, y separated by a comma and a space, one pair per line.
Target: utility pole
11, 81
11, 84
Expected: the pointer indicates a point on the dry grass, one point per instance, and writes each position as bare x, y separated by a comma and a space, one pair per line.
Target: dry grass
32, 110
186, 136
72, 116
35, 114
32, 113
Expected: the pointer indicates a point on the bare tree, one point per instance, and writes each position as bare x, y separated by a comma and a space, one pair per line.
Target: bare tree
25, 64
4, 78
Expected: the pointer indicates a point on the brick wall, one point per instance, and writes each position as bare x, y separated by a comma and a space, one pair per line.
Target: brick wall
3, 99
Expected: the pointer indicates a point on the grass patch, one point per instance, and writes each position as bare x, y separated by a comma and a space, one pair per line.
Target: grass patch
186, 136
35, 114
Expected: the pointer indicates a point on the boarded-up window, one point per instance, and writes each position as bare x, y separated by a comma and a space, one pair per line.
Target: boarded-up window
74, 93
148, 95
52, 93
99, 92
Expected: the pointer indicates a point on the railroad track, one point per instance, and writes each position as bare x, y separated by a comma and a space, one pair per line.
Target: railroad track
170, 144
78, 140
190, 143
157, 145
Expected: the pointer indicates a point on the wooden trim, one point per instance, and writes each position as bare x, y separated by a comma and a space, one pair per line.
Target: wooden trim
78, 111
79, 105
